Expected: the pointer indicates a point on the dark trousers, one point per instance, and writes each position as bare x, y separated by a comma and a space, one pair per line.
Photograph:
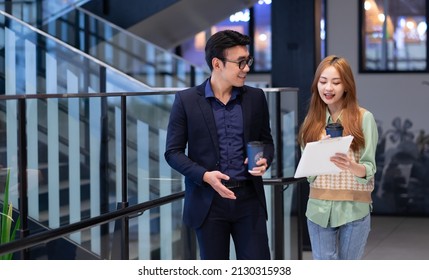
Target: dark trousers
243, 219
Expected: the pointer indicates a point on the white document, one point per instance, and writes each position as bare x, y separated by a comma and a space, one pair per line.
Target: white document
315, 159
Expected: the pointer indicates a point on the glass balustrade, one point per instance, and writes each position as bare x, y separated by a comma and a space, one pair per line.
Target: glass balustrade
76, 144
110, 44
35, 62
37, 12
75, 148
125, 51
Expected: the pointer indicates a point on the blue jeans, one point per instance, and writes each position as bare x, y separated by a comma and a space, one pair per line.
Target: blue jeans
346, 242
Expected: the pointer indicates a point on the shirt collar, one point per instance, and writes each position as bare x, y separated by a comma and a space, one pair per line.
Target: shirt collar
209, 91
329, 119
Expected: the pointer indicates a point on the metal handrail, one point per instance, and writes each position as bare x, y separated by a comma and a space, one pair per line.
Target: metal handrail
123, 211
52, 234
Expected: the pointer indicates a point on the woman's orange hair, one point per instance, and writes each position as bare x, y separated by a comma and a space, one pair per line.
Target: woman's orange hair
351, 116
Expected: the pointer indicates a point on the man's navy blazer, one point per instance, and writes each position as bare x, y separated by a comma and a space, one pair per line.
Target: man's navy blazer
192, 123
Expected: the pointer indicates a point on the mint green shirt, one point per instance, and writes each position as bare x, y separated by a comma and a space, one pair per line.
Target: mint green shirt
336, 213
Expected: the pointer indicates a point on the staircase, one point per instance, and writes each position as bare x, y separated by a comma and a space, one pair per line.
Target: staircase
167, 23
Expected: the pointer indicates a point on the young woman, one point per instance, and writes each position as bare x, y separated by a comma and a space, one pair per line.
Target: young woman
339, 205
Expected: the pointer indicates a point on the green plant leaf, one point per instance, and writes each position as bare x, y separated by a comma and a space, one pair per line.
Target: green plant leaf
6, 220
5, 210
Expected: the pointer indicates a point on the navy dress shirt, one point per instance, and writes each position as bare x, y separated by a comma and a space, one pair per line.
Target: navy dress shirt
229, 123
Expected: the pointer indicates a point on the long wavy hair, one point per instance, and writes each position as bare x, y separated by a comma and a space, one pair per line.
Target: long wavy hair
351, 116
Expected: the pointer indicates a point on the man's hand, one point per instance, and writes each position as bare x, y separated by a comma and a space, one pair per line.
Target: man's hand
261, 167
213, 178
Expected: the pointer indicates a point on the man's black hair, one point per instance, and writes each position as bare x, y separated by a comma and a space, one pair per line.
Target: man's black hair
222, 40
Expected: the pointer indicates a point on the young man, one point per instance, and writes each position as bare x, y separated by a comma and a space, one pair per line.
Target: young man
216, 120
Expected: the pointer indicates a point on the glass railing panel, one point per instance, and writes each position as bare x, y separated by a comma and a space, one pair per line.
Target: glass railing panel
54, 9
119, 48
169, 227
34, 62
283, 108
75, 170
125, 51
289, 129
22, 9
39, 12
158, 234
150, 177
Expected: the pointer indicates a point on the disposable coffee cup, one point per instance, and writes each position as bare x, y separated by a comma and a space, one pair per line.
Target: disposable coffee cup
255, 151
334, 129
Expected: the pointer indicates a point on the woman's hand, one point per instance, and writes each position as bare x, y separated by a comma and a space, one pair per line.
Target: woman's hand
343, 162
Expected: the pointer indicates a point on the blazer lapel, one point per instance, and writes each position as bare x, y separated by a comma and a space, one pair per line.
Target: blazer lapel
207, 113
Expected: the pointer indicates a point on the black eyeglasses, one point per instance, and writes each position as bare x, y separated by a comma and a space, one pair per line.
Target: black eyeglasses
242, 63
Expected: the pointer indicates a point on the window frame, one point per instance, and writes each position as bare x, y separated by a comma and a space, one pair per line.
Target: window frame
362, 44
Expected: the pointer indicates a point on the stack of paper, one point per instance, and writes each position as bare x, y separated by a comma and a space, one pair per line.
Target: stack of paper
315, 159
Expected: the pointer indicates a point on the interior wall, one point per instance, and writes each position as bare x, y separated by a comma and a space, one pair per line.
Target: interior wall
401, 186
